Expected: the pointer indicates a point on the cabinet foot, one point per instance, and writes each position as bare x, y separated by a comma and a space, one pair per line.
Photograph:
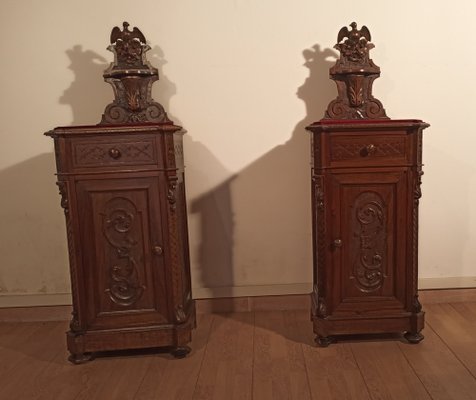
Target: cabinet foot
80, 358
324, 341
180, 351
414, 338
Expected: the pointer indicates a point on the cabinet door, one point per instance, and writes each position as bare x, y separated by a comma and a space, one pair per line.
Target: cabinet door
368, 232
122, 269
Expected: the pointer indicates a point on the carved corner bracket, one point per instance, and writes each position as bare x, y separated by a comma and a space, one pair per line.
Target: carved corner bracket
354, 73
131, 77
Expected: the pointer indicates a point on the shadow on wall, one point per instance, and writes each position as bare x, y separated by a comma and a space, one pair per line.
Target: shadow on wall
249, 225
34, 258
252, 223
88, 94
211, 237
34, 253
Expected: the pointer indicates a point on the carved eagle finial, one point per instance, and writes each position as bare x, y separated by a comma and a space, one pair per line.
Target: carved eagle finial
354, 35
126, 34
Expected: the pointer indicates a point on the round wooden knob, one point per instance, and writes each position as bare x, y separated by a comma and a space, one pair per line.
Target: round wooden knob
115, 153
337, 243
370, 149
158, 250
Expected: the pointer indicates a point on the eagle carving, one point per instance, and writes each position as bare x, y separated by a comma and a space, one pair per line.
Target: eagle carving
354, 44
129, 45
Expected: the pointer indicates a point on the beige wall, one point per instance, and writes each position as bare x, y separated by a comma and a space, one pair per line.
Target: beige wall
244, 77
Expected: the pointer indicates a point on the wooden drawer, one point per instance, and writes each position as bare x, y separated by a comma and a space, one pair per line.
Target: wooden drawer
111, 152
365, 150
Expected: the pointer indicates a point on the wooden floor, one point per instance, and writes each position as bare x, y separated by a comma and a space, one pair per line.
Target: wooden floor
251, 355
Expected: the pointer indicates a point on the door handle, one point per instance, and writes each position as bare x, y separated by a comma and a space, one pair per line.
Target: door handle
158, 251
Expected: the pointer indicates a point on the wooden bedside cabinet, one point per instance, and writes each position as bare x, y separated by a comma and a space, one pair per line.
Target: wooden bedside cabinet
366, 173
123, 193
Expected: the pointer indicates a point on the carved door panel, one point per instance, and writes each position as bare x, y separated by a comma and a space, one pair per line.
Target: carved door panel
123, 268
368, 242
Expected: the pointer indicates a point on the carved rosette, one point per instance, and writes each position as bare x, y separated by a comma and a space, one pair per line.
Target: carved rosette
370, 223
131, 77
119, 219
354, 73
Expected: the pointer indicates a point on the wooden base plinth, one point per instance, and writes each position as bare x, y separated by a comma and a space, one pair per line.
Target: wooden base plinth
328, 329
83, 345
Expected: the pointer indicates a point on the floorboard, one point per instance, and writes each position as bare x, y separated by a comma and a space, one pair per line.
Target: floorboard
260, 355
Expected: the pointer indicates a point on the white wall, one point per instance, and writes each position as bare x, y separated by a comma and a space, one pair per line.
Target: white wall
244, 77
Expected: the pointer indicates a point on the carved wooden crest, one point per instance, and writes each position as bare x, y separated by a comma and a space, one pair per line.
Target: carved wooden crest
131, 77
354, 73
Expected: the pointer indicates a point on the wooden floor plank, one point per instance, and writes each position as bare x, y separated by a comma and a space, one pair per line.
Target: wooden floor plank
467, 311
168, 378
125, 379
279, 371
22, 382
16, 338
386, 371
457, 330
251, 355
332, 371
442, 374
226, 371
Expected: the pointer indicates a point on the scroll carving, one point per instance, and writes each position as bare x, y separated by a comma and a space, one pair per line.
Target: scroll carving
370, 222
180, 315
322, 308
172, 193
63, 190
354, 73
131, 77
119, 219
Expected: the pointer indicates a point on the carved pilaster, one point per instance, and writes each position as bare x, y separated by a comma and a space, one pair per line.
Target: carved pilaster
74, 324
320, 223
174, 246
416, 200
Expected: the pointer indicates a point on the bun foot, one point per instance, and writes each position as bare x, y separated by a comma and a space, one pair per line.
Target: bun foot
80, 358
414, 338
324, 341
181, 351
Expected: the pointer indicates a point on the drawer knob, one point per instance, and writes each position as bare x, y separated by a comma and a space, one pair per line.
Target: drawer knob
158, 251
370, 149
115, 153
337, 243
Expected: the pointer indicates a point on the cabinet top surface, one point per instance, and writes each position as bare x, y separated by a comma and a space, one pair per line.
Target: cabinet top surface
113, 129
360, 124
